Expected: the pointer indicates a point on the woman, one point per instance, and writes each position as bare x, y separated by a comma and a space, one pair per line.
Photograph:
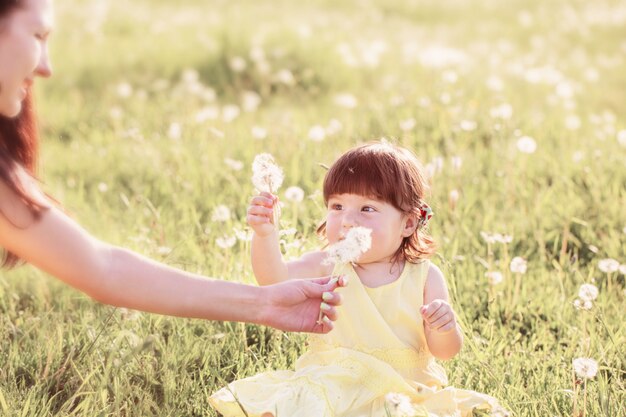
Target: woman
34, 230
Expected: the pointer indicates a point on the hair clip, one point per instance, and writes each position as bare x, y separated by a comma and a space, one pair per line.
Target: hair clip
426, 213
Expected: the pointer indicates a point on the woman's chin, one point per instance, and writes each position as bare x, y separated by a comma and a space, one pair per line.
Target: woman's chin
11, 109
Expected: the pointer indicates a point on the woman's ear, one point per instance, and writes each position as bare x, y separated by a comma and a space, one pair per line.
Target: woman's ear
410, 224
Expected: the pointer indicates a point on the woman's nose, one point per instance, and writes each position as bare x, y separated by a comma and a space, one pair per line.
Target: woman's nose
44, 68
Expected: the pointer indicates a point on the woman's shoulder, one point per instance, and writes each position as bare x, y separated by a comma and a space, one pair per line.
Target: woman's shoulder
14, 209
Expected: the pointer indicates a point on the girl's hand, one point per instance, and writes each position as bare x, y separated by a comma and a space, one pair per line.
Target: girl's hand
261, 213
295, 305
438, 316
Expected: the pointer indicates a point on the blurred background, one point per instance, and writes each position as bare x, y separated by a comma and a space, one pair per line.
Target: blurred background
156, 110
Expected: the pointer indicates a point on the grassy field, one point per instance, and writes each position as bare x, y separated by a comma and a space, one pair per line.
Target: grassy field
157, 109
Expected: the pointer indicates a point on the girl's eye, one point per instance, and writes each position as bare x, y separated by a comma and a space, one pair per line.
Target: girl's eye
369, 209
336, 206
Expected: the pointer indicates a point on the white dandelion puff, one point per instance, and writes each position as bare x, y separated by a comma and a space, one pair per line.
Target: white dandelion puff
494, 277
220, 214
357, 241
267, 176
518, 265
526, 144
588, 292
294, 194
258, 132
608, 265
317, 133
586, 368
233, 164
226, 242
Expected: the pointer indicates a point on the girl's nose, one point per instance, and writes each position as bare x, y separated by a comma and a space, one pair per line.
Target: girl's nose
349, 220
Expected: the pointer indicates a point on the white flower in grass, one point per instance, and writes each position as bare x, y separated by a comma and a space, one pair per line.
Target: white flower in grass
266, 175
518, 265
468, 125
285, 76
243, 235
175, 131
621, 137
572, 122
103, 187
588, 292
346, 100
503, 111
226, 242
334, 127
164, 250
207, 113
250, 101
294, 194
583, 304
586, 368
237, 64
457, 162
608, 265
399, 405
220, 214
494, 277
233, 164
230, 112
526, 144
259, 132
317, 133
357, 241
408, 124
124, 90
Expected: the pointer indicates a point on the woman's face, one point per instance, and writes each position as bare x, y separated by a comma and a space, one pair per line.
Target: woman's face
23, 51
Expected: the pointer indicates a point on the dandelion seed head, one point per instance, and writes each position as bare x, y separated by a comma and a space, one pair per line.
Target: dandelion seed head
294, 194
226, 242
586, 368
588, 292
357, 241
266, 175
258, 132
494, 277
220, 214
608, 265
233, 164
518, 265
527, 145
317, 133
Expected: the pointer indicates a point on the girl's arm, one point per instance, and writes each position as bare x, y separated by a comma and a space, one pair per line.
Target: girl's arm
112, 275
443, 335
267, 260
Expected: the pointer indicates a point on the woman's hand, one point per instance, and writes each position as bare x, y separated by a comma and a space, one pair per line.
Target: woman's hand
295, 305
438, 316
261, 213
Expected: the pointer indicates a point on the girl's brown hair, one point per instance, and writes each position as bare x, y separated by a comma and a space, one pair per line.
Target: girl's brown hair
391, 174
19, 149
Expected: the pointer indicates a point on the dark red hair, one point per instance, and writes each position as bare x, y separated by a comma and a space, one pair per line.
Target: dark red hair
391, 174
19, 149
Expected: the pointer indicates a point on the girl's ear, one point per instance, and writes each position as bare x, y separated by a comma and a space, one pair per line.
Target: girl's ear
410, 225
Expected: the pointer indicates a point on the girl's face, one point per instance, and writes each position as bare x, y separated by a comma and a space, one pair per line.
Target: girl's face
388, 224
23, 51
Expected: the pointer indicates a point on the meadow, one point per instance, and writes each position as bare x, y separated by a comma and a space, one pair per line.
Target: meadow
157, 109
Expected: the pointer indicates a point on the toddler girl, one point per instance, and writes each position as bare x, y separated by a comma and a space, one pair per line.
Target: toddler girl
395, 318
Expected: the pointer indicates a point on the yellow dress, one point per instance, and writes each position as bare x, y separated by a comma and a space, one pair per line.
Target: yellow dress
377, 347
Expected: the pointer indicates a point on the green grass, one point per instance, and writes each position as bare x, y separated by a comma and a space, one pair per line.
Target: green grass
119, 167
